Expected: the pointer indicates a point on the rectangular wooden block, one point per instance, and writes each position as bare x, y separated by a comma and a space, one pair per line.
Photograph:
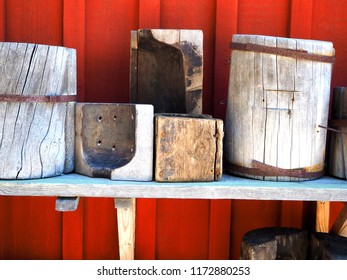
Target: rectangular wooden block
188, 148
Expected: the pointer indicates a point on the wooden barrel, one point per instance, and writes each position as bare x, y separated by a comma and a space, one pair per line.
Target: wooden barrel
37, 94
338, 134
278, 101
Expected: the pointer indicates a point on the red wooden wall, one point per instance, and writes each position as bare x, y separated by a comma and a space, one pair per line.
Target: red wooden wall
30, 228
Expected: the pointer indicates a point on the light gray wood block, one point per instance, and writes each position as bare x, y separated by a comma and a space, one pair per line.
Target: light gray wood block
114, 141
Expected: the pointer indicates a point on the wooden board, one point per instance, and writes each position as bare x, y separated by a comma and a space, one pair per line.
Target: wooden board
188, 148
114, 141
274, 111
37, 137
338, 138
275, 244
166, 69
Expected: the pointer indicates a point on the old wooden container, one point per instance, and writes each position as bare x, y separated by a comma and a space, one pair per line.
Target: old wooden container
188, 148
278, 102
338, 134
166, 69
114, 141
37, 94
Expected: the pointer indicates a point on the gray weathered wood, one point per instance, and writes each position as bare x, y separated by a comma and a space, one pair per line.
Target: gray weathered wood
66, 204
188, 148
275, 243
166, 69
229, 187
36, 137
114, 141
276, 105
338, 141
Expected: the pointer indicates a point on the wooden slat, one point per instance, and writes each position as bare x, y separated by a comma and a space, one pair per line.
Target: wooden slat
229, 187
2, 19
74, 37
126, 216
340, 225
301, 19
322, 216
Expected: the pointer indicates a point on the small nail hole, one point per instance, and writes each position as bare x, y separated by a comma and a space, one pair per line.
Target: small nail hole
98, 143
115, 117
99, 119
113, 147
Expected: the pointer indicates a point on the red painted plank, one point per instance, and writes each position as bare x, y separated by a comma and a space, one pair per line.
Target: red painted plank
301, 19
2, 20
34, 21
249, 215
74, 37
149, 14
267, 17
226, 26
219, 236
100, 229
182, 229
108, 26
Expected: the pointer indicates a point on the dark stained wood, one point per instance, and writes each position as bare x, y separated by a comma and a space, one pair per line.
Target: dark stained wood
326, 246
338, 137
275, 243
166, 70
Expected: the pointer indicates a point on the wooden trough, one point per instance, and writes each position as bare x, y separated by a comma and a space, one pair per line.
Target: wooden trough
114, 141
37, 94
166, 69
279, 90
188, 148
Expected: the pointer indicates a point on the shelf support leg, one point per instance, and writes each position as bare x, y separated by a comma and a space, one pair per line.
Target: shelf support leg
322, 216
126, 214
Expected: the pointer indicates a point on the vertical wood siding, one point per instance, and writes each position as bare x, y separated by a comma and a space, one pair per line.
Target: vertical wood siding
30, 228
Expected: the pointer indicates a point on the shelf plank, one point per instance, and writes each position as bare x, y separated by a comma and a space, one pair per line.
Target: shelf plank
229, 187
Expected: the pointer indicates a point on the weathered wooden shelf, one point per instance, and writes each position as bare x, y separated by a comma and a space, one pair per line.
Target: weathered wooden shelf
229, 187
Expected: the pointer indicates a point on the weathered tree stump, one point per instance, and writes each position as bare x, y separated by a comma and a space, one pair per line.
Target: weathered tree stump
279, 92
325, 246
338, 136
275, 243
166, 69
188, 148
37, 94
115, 141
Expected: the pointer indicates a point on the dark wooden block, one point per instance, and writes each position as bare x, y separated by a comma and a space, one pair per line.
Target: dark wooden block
166, 69
275, 243
325, 246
